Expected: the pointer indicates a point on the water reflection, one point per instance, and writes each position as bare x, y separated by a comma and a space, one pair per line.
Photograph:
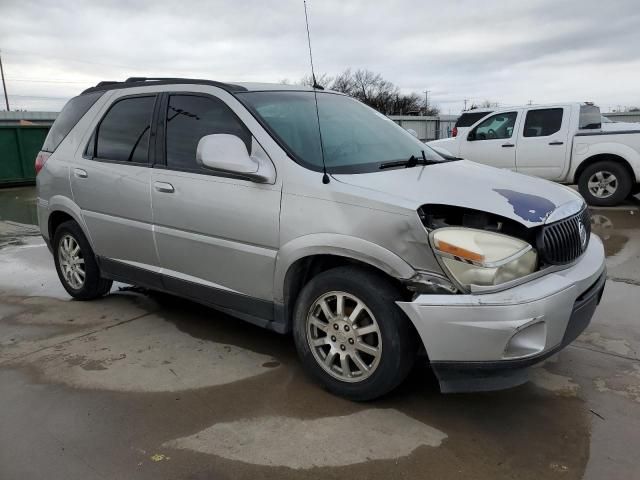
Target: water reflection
18, 205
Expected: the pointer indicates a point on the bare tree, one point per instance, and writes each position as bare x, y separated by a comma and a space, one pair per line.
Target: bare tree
373, 90
488, 104
323, 80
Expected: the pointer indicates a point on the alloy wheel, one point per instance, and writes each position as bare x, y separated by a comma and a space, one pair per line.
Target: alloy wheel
344, 336
71, 262
602, 184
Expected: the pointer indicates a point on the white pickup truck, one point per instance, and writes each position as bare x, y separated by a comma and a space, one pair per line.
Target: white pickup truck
565, 143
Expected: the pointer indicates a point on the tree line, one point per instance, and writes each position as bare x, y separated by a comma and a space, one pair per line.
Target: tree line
373, 90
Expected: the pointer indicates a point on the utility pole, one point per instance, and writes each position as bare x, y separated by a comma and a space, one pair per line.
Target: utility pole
465, 104
530, 102
4, 85
426, 101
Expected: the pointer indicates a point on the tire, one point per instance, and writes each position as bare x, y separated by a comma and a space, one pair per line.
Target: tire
615, 183
92, 284
395, 339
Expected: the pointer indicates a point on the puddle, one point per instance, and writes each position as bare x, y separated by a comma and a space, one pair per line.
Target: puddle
373, 434
19, 205
148, 355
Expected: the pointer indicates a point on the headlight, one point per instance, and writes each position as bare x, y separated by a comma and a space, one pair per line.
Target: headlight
478, 257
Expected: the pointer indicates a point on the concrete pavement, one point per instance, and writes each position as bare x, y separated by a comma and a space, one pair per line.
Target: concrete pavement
140, 385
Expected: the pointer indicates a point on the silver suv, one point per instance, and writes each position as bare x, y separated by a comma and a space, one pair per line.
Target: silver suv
304, 210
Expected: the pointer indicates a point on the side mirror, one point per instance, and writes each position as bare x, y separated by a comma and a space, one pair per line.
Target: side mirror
227, 153
472, 136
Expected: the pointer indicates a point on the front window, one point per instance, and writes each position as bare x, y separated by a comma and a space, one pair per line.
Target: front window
497, 127
355, 138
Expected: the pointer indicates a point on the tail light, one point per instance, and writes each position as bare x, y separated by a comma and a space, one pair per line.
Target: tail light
41, 159
454, 132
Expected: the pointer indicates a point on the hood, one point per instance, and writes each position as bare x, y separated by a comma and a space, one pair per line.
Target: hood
528, 200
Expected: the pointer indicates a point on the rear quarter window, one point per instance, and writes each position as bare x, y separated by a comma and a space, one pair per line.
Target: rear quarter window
70, 115
590, 117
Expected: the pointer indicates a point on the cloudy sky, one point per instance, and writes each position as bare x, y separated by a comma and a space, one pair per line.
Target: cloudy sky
505, 51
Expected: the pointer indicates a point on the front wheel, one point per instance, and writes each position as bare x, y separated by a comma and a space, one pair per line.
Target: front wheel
351, 335
605, 183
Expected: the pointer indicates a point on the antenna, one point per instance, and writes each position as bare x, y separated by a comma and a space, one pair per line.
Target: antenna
316, 87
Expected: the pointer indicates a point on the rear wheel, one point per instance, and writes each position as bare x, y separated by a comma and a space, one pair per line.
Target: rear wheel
76, 264
605, 183
351, 335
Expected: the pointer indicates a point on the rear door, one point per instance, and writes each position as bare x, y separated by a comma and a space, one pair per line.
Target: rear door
542, 142
217, 235
111, 184
492, 141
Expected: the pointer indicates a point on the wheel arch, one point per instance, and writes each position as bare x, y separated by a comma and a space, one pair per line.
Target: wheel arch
304, 258
62, 209
600, 157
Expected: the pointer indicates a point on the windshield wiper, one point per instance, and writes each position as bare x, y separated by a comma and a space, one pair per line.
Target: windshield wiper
411, 162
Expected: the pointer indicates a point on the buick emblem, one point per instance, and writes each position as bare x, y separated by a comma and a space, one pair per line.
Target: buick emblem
583, 234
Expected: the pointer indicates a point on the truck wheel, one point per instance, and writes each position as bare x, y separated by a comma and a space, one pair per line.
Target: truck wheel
76, 264
604, 183
350, 334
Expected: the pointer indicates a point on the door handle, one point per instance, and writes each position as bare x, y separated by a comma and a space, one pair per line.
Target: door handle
164, 187
80, 173
508, 145
556, 143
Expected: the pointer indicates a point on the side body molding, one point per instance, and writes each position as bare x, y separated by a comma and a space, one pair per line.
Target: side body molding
340, 245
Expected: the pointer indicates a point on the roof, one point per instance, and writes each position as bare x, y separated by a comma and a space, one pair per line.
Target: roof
230, 87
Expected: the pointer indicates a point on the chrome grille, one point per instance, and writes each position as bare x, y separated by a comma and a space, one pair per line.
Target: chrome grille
563, 241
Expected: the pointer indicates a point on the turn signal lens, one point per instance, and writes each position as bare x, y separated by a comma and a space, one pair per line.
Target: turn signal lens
446, 247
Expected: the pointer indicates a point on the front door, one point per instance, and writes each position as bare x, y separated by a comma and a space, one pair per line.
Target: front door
111, 183
542, 142
217, 236
492, 141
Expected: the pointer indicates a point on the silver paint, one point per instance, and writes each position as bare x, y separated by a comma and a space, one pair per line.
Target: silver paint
244, 236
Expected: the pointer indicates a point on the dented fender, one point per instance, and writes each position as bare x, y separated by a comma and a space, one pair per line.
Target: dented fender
340, 245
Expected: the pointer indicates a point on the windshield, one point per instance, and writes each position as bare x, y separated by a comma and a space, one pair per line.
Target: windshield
356, 138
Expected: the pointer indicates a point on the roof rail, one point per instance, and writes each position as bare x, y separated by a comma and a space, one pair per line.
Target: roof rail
146, 81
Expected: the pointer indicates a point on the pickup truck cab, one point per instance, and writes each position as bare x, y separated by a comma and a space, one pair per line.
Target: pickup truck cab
308, 212
564, 143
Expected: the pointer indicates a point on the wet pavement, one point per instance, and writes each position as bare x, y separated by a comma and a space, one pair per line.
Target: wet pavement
140, 385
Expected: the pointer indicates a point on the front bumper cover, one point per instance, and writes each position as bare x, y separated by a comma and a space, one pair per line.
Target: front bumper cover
471, 339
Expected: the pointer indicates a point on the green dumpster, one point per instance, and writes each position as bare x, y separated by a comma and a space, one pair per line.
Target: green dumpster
19, 145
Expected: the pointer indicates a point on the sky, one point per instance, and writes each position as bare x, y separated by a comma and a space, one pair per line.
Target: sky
510, 52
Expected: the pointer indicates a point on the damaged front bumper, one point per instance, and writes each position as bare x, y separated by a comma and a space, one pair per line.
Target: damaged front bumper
479, 342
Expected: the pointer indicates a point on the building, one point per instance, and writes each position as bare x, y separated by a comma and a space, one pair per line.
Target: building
27, 118
623, 116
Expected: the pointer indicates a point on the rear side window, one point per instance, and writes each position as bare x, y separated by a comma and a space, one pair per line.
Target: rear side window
123, 133
469, 118
70, 115
191, 117
543, 122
